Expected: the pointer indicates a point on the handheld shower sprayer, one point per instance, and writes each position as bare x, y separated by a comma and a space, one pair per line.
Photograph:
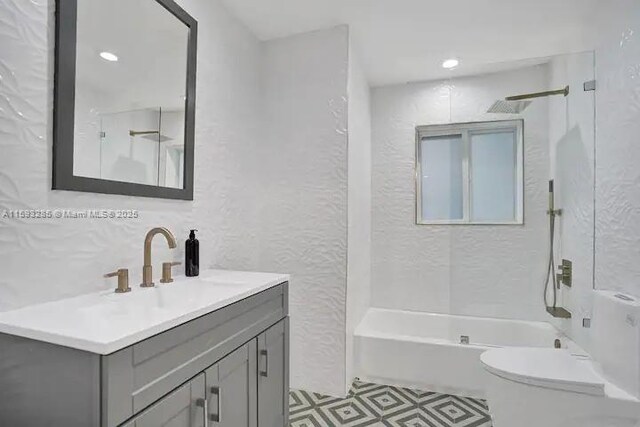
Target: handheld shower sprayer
552, 212
551, 268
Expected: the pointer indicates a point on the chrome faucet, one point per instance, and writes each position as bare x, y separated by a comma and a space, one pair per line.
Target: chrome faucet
147, 271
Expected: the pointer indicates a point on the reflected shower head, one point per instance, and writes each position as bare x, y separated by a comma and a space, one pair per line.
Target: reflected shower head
508, 107
152, 135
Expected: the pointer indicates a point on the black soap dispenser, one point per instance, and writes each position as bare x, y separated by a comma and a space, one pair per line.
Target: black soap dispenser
192, 255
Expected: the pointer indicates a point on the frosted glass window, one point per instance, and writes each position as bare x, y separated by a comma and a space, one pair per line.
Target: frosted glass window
442, 177
493, 176
470, 173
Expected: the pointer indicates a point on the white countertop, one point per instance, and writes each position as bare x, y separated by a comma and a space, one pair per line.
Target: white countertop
105, 322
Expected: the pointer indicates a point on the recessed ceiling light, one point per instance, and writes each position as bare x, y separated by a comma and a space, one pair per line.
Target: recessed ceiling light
108, 56
450, 63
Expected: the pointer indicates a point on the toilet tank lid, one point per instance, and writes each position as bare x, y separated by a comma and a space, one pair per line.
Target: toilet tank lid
551, 368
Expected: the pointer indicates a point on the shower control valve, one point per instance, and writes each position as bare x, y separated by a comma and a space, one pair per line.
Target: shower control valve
565, 274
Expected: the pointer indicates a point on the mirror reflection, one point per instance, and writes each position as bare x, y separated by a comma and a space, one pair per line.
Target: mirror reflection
131, 72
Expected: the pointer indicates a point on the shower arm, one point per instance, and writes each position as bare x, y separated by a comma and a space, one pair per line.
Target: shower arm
144, 132
564, 92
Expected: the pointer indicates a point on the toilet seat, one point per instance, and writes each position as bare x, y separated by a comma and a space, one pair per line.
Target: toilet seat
550, 368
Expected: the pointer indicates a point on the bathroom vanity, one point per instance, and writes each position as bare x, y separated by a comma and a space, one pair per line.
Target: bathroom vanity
205, 351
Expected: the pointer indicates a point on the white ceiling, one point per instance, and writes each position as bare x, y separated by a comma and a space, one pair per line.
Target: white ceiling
407, 40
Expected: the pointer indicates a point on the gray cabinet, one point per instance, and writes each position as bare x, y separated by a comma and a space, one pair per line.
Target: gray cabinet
227, 368
232, 392
184, 407
247, 388
273, 377
139, 375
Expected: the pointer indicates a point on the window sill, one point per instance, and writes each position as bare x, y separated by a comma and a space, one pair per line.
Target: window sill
451, 222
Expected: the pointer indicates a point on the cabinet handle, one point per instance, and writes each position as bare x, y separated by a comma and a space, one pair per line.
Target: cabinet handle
202, 403
265, 354
217, 417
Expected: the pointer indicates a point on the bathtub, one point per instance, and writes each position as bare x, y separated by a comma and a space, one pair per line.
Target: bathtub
440, 352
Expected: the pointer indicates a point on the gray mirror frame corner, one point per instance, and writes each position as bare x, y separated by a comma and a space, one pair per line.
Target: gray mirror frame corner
64, 111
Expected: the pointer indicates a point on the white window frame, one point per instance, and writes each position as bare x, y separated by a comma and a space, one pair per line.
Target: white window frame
465, 130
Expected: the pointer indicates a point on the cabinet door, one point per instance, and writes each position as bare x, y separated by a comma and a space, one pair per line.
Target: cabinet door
273, 376
184, 407
232, 389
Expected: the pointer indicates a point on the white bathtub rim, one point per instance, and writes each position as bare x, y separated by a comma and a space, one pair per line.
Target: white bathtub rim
537, 323
422, 340
366, 331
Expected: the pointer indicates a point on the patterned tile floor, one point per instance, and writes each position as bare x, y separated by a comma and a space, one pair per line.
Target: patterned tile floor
381, 405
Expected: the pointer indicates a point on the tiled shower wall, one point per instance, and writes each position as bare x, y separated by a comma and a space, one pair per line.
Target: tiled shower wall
494, 271
618, 147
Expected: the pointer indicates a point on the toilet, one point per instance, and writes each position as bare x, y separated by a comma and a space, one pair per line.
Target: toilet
546, 387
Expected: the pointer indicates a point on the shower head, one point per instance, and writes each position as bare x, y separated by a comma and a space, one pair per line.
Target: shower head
152, 135
508, 107
516, 104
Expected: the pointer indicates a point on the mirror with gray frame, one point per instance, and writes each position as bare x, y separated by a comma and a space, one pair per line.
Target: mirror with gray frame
124, 98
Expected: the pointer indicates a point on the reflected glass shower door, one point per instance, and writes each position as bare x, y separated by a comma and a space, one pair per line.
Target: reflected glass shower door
129, 149
171, 149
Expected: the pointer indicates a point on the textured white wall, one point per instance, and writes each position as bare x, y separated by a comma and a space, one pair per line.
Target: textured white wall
302, 213
572, 145
618, 147
269, 195
359, 204
49, 259
492, 271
